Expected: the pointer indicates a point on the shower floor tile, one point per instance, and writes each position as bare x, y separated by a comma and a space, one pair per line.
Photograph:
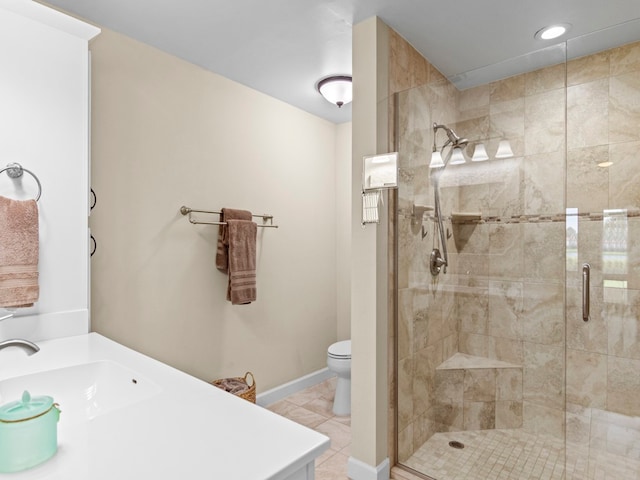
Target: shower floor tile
515, 455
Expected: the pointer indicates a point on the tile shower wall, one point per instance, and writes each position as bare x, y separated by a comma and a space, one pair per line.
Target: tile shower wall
426, 334
504, 294
502, 297
603, 355
511, 262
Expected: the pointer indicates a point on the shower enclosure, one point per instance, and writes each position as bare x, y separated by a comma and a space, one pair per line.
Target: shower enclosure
522, 360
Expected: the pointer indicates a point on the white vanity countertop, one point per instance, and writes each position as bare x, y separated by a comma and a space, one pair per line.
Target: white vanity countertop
184, 428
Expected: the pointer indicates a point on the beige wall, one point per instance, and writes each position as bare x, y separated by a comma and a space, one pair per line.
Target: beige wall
384, 64
167, 133
343, 230
368, 260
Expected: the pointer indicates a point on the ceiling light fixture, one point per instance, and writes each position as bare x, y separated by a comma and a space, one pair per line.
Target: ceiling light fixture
336, 89
552, 31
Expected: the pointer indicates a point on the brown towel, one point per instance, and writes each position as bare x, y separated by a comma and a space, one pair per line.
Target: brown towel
242, 261
18, 253
222, 253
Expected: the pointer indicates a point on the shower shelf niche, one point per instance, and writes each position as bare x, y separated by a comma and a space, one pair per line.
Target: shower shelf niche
417, 212
465, 361
465, 217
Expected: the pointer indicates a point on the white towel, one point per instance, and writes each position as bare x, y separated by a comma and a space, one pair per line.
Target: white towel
370, 201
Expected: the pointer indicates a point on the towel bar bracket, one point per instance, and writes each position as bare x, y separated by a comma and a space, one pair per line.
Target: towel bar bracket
267, 220
15, 171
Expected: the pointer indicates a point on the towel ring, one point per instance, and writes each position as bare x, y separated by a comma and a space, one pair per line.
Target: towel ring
15, 170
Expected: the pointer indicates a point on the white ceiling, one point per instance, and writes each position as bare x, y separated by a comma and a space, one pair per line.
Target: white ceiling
283, 47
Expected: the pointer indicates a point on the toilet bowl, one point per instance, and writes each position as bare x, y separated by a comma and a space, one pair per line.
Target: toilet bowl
339, 362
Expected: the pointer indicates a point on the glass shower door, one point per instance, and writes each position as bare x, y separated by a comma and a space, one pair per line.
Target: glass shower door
481, 346
523, 359
603, 264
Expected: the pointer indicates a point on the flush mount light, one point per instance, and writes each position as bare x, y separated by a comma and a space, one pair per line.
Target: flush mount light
552, 31
336, 89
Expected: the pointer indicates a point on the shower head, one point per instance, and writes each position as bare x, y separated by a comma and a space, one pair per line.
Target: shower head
460, 143
453, 139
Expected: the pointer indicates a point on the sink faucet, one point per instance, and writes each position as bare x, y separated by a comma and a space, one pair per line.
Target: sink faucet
19, 342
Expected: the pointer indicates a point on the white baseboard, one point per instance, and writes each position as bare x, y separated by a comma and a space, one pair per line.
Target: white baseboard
278, 393
357, 470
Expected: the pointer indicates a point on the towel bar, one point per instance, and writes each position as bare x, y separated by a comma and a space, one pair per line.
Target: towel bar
188, 211
15, 170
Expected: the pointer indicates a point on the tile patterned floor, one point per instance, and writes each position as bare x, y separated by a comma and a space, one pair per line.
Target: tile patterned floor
495, 454
488, 454
312, 407
516, 455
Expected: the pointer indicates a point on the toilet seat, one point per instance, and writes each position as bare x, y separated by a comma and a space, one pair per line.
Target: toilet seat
340, 350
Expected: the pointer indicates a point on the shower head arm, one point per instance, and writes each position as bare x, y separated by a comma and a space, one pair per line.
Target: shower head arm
453, 141
445, 145
452, 136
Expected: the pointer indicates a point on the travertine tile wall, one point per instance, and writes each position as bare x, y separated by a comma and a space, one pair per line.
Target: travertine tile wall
512, 262
427, 332
502, 297
478, 398
603, 355
504, 294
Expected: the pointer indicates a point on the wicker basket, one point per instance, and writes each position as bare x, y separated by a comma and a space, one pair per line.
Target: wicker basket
248, 394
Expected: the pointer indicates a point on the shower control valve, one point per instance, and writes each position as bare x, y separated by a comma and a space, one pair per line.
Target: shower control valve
437, 263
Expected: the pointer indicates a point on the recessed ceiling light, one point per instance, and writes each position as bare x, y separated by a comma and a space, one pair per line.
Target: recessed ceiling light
552, 31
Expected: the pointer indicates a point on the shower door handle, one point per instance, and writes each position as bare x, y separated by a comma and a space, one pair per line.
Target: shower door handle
586, 278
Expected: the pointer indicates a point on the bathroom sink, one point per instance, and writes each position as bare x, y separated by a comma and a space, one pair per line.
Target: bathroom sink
83, 391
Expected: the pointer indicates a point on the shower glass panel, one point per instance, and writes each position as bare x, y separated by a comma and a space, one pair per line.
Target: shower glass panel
481, 348
603, 231
522, 360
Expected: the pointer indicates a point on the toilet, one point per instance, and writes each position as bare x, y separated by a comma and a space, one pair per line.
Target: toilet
339, 362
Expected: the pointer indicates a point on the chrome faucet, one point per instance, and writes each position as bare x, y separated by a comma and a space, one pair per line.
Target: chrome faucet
19, 342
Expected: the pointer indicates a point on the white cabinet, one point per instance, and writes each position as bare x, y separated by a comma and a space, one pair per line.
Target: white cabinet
44, 120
